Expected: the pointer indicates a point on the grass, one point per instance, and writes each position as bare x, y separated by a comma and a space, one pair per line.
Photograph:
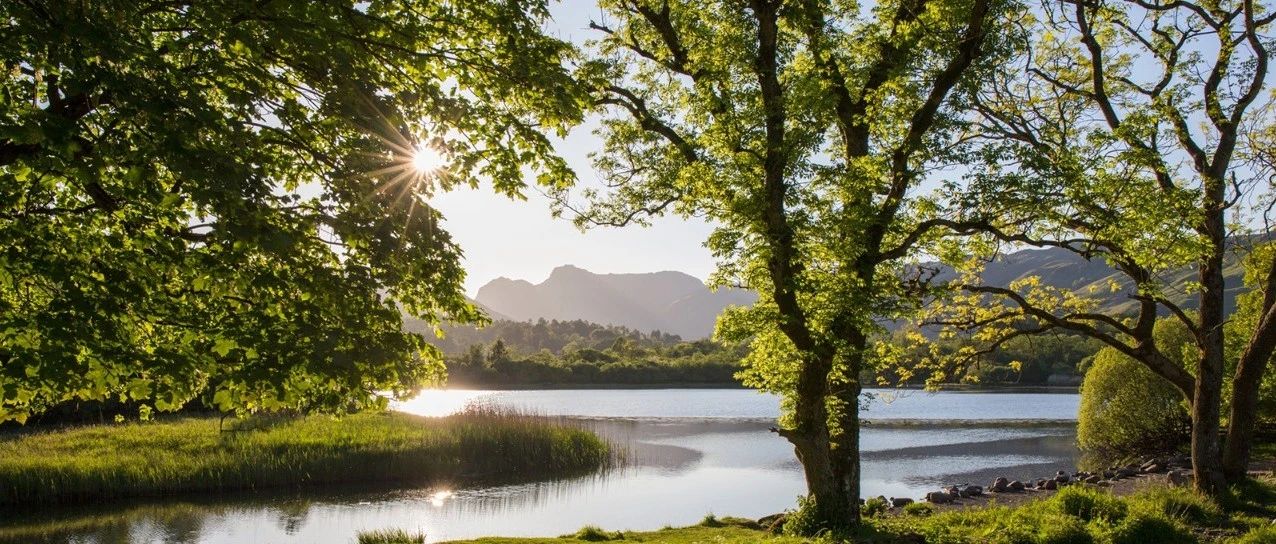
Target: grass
184, 455
392, 536
1075, 515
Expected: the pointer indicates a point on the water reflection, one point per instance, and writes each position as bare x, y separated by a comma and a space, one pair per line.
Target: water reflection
677, 469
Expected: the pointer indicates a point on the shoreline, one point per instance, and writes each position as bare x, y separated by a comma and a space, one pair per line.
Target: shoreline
947, 388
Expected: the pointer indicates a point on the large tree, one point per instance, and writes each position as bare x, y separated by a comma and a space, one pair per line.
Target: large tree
1126, 133
802, 130
228, 199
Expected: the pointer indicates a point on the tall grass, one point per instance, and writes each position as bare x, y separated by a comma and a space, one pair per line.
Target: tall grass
192, 455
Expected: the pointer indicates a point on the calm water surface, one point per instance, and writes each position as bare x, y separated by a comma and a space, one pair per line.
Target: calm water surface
690, 452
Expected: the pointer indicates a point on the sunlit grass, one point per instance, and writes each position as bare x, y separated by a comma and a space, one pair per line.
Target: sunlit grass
191, 455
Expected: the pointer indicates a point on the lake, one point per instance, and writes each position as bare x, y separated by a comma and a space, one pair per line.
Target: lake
688, 452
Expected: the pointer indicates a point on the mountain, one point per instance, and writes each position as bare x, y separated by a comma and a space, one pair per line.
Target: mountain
1064, 269
672, 302
677, 303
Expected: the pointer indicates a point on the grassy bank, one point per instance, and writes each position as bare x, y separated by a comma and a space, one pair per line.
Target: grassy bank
192, 455
1075, 515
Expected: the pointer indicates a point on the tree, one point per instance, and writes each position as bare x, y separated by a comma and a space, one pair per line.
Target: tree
1125, 408
226, 199
1125, 133
802, 130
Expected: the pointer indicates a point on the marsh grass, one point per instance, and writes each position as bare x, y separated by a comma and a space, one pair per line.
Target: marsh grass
188, 455
391, 536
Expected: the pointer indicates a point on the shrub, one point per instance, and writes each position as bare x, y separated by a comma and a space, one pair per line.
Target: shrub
919, 509
874, 507
1145, 528
1088, 504
805, 520
711, 520
1126, 408
394, 536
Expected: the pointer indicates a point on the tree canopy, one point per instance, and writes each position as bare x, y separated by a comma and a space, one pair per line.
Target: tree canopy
219, 199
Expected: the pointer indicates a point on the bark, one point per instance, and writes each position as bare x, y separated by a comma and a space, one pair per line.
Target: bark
1208, 393
1250, 368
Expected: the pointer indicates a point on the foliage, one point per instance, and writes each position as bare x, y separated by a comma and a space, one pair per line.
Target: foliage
391, 536
1022, 360
874, 506
1261, 535
624, 361
919, 509
1242, 324
801, 131
79, 464
531, 337
218, 199
1125, 408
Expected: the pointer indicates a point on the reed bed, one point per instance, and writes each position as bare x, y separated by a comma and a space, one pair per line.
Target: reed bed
192, 455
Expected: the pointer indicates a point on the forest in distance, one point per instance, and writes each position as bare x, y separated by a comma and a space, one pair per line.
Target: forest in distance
577, 353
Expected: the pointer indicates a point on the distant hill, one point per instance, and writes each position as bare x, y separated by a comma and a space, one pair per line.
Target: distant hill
677, 303
1066, 270
671, 302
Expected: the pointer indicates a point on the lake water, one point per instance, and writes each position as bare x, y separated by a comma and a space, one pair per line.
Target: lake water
689, 452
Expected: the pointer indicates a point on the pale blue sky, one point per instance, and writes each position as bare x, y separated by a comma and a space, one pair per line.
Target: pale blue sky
519, 239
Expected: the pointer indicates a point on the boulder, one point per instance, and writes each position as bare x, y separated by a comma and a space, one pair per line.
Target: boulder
1041, 484
1093, 479
1050, 485
999, 485
1108, 474
1062, 478
972, 491
1016, 486
954, 492
1125, 472
773, 523
900, 502
939, 497
1103, 483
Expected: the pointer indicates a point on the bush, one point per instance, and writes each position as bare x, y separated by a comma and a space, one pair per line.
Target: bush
805, 520
1125, 408
919, 509
1145, 528
874, 507
1088, 504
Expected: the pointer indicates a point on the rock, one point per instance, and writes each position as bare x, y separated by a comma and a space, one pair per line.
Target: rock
1092, 479
1103, 483
1051, 485
1041, 484
1108, 474
1177, 478
1062, 478
773, 523
1125, 472
939, 497
954, 492
900, 502
1152, 465
972, 491
999, 485
1016, 486
1153, 469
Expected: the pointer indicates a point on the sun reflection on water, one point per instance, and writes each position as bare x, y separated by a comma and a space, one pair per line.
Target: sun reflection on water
438, 402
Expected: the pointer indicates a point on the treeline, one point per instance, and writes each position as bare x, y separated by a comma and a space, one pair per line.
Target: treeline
626, 361
552, 335
1047, 359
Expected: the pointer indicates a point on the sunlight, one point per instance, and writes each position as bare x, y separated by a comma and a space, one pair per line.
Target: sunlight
427, 160
438, 402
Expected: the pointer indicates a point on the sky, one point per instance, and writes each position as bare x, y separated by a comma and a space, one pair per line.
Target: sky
521, 240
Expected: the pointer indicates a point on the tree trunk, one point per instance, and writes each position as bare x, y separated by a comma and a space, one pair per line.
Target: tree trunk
1244, 411
821, 458
1208, 394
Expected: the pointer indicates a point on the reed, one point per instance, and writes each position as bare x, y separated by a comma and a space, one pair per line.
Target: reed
189, 455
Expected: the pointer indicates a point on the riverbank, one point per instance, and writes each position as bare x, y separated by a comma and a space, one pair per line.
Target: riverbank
1077, 514
194, 455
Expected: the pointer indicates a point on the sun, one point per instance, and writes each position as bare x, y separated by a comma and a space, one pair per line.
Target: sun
427, 160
